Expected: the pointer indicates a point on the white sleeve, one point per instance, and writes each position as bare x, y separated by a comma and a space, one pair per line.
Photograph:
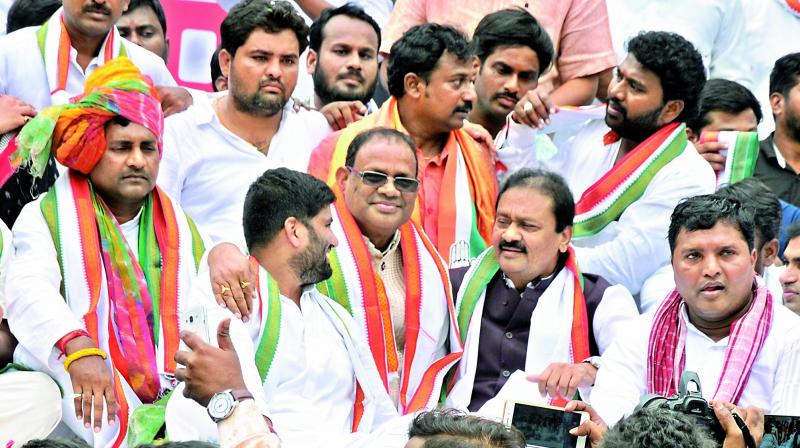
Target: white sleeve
521, 146
729, 55
639, 246
786, 395
6, 255
621, 380
172, 168
616, 309
37, 312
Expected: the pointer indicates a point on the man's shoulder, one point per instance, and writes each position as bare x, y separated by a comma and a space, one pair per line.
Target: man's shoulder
148, 62
23, 36
198, 114
311, 119
786, 325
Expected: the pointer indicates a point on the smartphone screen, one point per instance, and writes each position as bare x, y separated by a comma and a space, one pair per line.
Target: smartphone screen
544, 427
781, 431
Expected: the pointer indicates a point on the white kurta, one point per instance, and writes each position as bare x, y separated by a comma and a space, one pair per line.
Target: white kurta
774, 383
5, 261
310, 389
716, 28
22, 72
630, 250
208, 169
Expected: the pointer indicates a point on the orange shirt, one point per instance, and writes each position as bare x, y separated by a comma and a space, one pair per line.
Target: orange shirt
579, 29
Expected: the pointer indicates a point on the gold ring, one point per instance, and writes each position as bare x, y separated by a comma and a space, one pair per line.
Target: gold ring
527, 107
74, 396
244, 284
224, 289
26, 118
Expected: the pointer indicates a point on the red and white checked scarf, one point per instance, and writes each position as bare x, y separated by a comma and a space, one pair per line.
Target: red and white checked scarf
667, 357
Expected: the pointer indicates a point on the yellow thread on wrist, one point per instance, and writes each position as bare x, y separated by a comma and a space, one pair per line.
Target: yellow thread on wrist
82, 354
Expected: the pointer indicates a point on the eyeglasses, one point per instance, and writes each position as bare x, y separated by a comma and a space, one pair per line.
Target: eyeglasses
375, 179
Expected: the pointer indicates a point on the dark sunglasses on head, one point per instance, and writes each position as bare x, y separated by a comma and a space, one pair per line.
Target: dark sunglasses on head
376, 180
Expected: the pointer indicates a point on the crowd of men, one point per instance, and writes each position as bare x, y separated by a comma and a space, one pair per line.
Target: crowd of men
565, 203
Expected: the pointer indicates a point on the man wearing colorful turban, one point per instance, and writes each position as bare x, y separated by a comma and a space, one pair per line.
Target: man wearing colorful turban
104, 260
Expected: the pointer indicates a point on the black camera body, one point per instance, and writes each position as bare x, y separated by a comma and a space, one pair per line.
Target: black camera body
690, 403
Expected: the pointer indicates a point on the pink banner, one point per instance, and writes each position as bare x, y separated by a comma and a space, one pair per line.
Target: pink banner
193, 31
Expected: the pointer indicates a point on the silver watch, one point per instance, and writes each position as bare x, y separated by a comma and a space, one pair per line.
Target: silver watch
595, 361
222, 404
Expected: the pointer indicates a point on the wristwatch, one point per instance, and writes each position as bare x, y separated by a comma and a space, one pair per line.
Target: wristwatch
222, 403
595, 361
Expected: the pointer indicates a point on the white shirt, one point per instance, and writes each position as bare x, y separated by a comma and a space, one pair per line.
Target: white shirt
5, 261
716, 28
628, 251
774, 383
22, 72
772, 31
208, 169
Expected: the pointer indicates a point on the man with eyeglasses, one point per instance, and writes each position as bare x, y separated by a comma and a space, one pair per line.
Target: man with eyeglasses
387, 273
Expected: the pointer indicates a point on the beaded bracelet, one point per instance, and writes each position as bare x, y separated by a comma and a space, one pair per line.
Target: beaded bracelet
82, 354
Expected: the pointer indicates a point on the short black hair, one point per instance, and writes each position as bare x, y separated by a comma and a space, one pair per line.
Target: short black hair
25, 13
351, 10
419, 52
450, 428
785, 74
375, 133
766, 207
678, 65
705, 211
793, 230
661, 428
276, 196
723, 95
271, 16
155, 5
510, 28
216, 70
57, 442
550, 184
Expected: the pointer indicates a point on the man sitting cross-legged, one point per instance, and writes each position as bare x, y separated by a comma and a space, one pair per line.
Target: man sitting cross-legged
104, 260
387, 273
719, 322
301, 354
524, 305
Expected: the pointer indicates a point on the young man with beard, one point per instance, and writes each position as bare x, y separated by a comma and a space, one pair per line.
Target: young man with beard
779, 158
718, 322
430, 79
145, 24
790, 278
523, 304
343, 61
301, 355
631, 169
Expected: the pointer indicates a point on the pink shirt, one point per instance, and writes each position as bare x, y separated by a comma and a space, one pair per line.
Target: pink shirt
579, 29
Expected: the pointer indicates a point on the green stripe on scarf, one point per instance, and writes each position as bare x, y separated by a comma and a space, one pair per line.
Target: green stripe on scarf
475, 285
744, 156
633, 192
268, 345
476, 242
335, 286
198, 247
49, 209
150, 262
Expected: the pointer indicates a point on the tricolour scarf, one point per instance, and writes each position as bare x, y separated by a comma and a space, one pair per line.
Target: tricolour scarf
429, 312
740, 157
666, 355
624, 184
793, 6
468, 179
55, 47
130, 306
559, 329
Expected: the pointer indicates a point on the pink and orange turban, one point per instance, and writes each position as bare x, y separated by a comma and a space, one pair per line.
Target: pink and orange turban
76, 131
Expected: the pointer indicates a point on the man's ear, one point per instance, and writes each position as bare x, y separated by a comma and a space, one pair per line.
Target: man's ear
295, 231
671, 110
769, 253
776, 101
342, 174
225, 60
566, 237
413, 85
691, 135
311, 61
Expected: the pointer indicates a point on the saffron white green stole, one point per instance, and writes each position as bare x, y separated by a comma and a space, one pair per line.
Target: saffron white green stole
171, 247
606, 200
55, 47
740, 157
429, 312
369, 391
559, 330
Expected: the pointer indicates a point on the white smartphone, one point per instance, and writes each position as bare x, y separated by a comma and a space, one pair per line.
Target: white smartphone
195, 320
544, 426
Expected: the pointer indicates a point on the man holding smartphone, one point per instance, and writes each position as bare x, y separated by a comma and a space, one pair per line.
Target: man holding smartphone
524, 305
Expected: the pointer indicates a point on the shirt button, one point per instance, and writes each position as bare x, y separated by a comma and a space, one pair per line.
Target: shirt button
505, 373
509, 335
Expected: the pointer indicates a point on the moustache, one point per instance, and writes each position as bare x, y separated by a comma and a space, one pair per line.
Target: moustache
511, 96
351, 73
617, 105
513, 245
271, 82
94, 7
464, 108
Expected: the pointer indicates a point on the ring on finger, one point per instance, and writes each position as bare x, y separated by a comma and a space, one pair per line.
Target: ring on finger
224, 289
77, 395
244, 284
527, 107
